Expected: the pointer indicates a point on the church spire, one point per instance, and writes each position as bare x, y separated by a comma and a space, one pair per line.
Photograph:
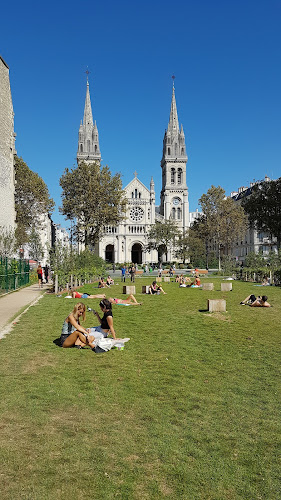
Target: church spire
173, 125
88, 140
88, 115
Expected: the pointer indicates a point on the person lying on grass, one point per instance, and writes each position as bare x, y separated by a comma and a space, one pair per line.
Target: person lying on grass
154, 289
131, 301
71, 328
253, 301
77, 295
105, 327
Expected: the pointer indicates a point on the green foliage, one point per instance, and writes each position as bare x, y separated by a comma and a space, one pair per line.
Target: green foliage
32, 200
7, 242
263, 208
85, 266
36, 251
223, 221
255, 260
92, 198
162, 237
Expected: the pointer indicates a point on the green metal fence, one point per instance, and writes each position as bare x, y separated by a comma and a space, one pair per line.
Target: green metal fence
14, 273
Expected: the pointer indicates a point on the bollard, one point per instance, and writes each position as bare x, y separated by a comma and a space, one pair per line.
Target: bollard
226, 287
208, 286
216, 305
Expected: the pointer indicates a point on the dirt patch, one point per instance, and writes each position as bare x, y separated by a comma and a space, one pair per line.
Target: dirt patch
37, 362
218, 315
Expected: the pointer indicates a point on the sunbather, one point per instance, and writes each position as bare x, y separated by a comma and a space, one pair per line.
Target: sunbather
77, 295
131, 300
154, 289
71, 328
254, 301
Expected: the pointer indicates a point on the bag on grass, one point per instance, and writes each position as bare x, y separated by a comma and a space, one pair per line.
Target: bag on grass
102, 345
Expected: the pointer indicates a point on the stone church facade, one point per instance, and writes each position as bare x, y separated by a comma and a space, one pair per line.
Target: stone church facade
7, 151
127, 242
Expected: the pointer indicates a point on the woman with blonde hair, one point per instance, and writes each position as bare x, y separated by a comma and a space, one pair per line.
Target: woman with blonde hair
71, 328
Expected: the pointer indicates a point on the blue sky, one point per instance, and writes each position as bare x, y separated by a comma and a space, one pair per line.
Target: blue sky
226, 59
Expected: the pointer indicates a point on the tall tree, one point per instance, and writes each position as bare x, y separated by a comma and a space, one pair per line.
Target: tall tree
7, 242
225, 219
36, 251
263, 207
92, 198
162, 237
32, 200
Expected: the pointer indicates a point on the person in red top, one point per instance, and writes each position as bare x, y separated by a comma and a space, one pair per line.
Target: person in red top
39, 274
77, 295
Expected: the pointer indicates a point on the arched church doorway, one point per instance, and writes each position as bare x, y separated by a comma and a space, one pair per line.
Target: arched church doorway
109, 253
137, 253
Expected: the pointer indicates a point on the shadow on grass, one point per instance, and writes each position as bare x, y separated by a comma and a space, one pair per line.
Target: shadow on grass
57, 342
203, 310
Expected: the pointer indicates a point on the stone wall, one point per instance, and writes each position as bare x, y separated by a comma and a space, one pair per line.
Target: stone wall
7, 150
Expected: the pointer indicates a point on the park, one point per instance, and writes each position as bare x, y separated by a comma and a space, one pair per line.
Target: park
190, 409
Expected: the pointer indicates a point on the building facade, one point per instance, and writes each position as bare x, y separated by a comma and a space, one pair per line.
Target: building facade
127, 242
7, 151
253, 240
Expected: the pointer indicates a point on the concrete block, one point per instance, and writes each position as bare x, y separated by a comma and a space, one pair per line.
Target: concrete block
167, 279
226, 287
216, 305
145, 289
158, 280
129, 289
208, 286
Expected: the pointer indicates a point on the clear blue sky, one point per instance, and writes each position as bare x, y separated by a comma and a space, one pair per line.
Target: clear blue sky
226, 56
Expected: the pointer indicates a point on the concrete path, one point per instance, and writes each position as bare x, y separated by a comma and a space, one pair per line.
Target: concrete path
12, 303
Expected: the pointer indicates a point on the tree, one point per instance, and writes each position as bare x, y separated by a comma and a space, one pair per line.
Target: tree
189, 245
263, 207
36, 251
162, 237
224, 220
32, 199
92, 198
7, 242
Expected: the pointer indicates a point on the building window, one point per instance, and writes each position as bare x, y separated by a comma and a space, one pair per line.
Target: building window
182, 151
88, 145
81, 148
173, 213
179, 175
173, 171
169, 151
179, 213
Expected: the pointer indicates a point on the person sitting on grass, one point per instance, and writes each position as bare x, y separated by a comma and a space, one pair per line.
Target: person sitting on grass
109, 281
253, 301
155, 289
131, 301
102, 283
178, 279
104, 329
84, 295
71, 328
196, 282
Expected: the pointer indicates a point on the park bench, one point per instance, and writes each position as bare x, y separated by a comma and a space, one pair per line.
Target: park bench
139, 273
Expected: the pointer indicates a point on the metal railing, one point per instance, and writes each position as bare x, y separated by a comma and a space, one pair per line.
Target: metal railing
14, 273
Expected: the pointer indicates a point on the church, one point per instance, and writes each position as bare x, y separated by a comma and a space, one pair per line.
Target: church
127, 242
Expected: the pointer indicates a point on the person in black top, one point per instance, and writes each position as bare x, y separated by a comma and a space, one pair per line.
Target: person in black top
106, 322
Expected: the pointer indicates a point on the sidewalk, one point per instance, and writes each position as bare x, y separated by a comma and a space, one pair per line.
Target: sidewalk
13, 302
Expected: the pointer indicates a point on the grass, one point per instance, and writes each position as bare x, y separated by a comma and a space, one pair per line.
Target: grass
189, 410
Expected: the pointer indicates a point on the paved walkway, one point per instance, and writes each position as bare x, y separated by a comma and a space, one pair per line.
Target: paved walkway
12, 303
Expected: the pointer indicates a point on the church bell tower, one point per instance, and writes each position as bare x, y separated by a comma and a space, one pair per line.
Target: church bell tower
88, 138
174, 194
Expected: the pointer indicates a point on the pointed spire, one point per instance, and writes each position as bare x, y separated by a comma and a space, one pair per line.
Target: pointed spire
173, 125
88, 115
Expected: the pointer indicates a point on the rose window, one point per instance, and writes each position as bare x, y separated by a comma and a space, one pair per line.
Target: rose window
136, 214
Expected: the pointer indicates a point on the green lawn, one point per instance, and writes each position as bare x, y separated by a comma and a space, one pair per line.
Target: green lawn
189, 410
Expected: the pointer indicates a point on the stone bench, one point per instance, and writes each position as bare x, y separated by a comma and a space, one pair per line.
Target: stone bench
216, 305
158, 280
139, 273
167, 279
145, 289
226, 287
129, 289
208, 286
